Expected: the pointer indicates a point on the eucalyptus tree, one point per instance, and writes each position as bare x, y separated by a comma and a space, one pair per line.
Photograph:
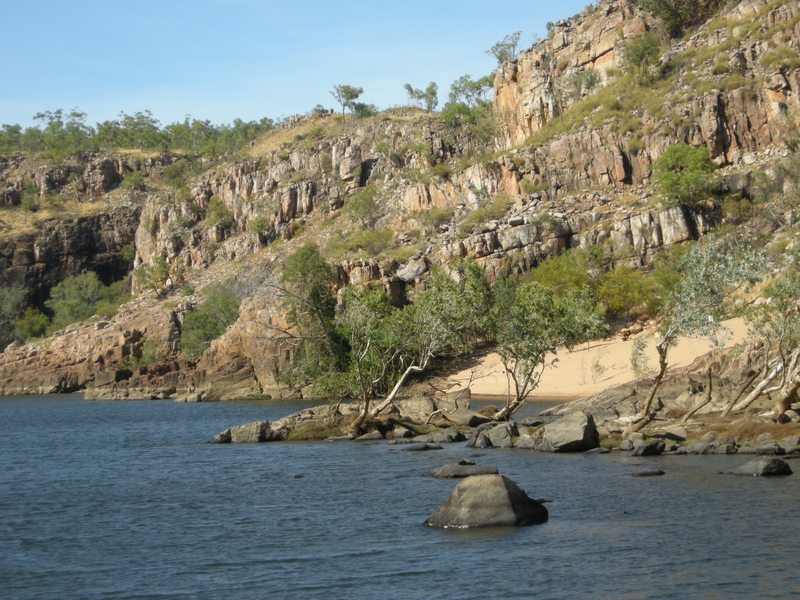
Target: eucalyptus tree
775, 324
346, 95
505, 49
427, 98
530, 323
713, 271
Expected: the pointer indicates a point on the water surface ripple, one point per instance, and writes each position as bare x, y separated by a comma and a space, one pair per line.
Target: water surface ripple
125, 500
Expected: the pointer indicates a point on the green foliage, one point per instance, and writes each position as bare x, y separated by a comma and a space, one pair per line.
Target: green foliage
531, 322
526, 186
777, 323
428, 98
218, 213
789, 170
111, 297
490, 211
562, 273
465, 90
11, 301
365, 241
177, 173
782, 57
74, 299
153, 276
442, 170
133, 181
434, 217
737, 210
505, 49
260, 224
32, 323
210, 320
677, 16
363, 207
346, 95
363, 110
30, 197
639, 54
684, 174
667, 266
712, 270
59, 133
309, 301
626, 290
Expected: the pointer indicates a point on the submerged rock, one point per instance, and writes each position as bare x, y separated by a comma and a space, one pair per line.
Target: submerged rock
764, 467
462, 468
487, 501
421, 447
647, 471
339, 438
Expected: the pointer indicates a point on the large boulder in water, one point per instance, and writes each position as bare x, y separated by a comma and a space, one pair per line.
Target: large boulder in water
764, 467
487, 501
576, 432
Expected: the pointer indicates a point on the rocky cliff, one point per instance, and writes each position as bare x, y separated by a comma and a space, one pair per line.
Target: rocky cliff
731, 86
572, 171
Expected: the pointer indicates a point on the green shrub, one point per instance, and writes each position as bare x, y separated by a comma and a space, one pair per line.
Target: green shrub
260, 224
79, 297
677, 16
561, 273
737, 211
626, 290
781, 57
12, 298
176, 174
30, 197
133, 181
442, 170
640, 53
361, 242
32, 323
526, 186
74, 299
434, 217
210, 320
684, 174
218, 214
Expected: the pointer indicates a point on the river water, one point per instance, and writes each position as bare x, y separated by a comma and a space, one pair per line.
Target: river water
125, 500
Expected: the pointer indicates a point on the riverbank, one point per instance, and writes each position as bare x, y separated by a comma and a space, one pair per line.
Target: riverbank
588, 369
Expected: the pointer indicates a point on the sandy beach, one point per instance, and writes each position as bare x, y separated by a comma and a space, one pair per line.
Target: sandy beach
591, 368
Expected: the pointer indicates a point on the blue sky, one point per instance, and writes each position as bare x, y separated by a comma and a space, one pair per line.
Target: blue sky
221, 59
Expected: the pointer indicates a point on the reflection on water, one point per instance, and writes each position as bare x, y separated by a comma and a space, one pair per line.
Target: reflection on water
125, 500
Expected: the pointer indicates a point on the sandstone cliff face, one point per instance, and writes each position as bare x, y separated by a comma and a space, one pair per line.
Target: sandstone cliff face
747, 113
85, 174
525, 88
591, 182
40, 260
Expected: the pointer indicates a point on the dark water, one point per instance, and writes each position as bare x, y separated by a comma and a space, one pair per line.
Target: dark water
124, 500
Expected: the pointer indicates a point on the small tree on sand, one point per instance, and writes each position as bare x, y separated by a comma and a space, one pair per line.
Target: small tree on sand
713, 271
530, 323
